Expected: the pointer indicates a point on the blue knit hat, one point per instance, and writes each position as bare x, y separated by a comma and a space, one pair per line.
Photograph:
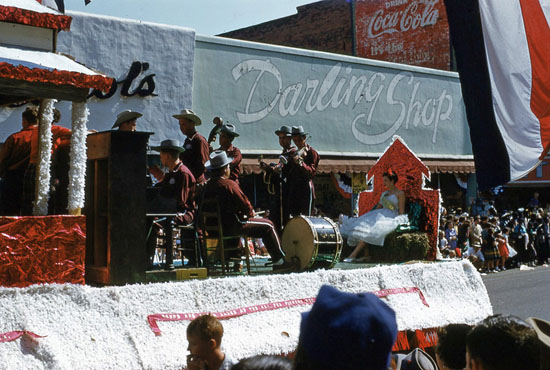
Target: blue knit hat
348, 331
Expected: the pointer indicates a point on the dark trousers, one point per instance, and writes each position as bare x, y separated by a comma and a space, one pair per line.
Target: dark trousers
301, 196
12, 191
263, 228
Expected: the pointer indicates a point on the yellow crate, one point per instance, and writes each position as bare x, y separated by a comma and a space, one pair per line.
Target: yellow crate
191, 273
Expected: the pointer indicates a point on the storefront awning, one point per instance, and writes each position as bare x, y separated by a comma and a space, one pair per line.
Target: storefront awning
358, 165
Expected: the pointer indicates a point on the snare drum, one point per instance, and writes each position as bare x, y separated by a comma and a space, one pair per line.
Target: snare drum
315, 241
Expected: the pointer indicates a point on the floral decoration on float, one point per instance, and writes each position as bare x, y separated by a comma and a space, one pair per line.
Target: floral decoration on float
411, 173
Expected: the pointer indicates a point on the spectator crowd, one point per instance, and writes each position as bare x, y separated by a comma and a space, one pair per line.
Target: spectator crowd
496, 240
358, 331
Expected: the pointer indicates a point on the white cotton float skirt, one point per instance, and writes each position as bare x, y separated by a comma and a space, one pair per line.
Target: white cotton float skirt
372, 227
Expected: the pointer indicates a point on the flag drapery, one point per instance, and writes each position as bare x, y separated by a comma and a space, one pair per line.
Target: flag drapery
58, 5
503, 57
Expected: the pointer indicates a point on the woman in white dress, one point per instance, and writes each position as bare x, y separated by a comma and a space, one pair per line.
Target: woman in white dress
373, 226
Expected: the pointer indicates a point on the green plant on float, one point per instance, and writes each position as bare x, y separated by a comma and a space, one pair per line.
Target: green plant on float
401, 247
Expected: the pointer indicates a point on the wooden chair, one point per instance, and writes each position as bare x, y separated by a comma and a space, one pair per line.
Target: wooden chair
189, 244
211, 224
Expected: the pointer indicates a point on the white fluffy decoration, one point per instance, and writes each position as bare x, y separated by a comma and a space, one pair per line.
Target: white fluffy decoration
44, 157
77, 171
106, 328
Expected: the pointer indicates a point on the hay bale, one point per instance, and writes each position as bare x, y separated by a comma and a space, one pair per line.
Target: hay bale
401, 247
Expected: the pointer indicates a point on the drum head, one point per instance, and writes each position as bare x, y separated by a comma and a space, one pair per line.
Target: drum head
298, 241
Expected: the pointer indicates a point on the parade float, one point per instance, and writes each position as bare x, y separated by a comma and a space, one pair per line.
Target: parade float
51, 320
41, 248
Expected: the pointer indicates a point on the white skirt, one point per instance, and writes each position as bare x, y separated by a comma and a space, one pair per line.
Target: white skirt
372, 227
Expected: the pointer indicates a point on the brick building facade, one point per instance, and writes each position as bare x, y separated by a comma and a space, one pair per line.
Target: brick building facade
324, 26
412, 32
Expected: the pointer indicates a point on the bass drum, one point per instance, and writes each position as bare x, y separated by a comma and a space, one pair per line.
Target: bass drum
315, 242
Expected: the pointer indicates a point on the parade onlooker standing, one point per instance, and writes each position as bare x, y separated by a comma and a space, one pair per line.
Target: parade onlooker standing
475, 231
534, 201
451, 236
503, 250
463, 236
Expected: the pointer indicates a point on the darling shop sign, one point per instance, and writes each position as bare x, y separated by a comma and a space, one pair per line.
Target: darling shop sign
349, 106
403, 31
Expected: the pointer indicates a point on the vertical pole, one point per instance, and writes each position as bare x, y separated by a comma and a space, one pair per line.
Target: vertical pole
42, 177
77, 169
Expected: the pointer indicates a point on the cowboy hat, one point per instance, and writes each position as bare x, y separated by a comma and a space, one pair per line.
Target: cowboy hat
417, 359
542, 328
298, 130
190, 115
229, 130
125, 116
168, 144
218, 159
284, 130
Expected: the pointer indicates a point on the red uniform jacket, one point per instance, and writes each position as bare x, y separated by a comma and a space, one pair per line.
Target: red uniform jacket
195, 155
179, 184
235, 165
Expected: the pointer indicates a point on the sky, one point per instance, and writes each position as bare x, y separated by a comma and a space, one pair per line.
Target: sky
206, 17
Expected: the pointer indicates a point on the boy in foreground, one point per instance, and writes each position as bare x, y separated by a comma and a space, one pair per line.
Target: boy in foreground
204, 335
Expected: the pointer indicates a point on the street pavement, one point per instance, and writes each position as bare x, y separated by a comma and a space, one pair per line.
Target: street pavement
521, 293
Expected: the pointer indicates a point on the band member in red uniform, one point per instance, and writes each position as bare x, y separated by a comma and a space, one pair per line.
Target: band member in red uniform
14, 159
196, 147
237, 212
178, 183
304, 166
279, 172
227, 135
60, 134
127, 120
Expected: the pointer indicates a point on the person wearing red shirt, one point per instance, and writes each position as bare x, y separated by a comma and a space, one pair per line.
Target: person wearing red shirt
227, 135
303, 169
196, 147
238, 216
14, 159
178, 184
59, 135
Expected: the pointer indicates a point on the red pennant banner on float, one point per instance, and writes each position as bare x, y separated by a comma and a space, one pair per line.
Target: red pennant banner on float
14, 335
230, 314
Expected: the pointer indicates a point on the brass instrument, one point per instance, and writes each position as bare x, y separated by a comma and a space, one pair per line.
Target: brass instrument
267, 175
299, 154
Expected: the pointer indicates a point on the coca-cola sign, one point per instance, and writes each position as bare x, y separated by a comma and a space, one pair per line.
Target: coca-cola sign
403, 31
410, 19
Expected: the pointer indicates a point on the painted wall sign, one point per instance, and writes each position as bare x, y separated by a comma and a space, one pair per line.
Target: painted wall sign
146, 86
403, 31
348, 105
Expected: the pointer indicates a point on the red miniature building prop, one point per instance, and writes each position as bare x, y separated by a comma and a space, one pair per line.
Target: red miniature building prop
411, 173
40, 250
